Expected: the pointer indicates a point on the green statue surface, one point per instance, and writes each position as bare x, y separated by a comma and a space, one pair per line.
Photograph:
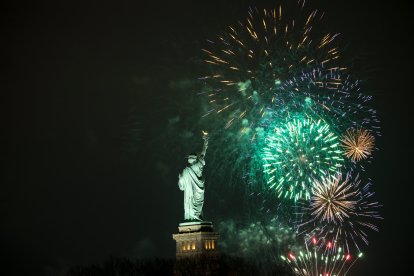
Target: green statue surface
191, 181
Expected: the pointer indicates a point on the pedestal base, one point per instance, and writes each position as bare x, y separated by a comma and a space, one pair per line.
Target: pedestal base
196, 239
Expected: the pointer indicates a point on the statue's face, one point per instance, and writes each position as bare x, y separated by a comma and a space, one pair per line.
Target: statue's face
191, 159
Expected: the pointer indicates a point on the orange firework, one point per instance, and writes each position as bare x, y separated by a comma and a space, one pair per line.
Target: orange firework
358, 144
333, 199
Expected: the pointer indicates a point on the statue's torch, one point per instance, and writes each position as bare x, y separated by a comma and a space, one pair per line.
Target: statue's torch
205, 134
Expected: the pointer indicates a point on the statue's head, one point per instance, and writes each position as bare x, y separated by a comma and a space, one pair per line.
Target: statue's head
192, 158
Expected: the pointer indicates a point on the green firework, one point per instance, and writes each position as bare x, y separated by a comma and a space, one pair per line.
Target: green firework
298, 150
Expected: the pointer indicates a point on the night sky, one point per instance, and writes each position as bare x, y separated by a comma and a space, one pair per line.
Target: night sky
90, 92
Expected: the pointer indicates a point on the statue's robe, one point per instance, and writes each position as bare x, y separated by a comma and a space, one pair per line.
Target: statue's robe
191, 182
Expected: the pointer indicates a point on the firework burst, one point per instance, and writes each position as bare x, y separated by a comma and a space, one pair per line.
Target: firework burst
253, 57
310, 262
293, 119
297, 151
332, 200
339, 211
357, 144
332, 95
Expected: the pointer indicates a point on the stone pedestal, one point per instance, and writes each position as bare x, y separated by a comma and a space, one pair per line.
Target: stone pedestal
196, 239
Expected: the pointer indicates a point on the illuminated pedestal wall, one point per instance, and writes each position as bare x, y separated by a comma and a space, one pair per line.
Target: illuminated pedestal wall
196, 239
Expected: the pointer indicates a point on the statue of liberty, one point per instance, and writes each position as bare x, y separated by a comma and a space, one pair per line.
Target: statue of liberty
191, 181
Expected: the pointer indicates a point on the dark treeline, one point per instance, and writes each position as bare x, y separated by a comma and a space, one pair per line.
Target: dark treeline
223, 265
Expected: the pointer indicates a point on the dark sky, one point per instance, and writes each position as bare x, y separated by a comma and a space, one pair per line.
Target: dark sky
87, 93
